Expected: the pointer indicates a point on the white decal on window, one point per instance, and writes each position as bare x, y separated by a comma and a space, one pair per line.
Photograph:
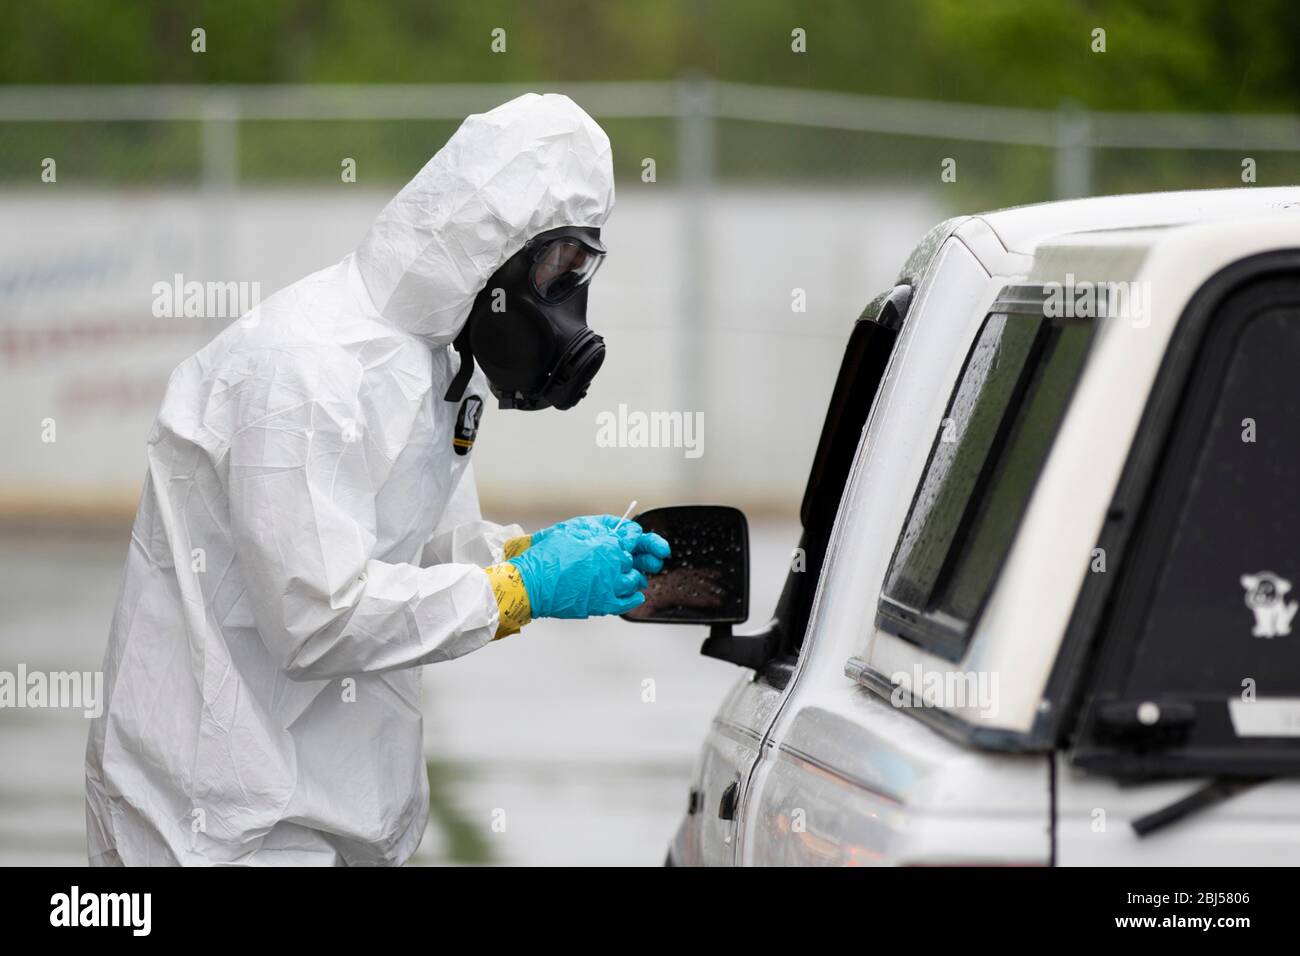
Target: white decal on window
1266, 598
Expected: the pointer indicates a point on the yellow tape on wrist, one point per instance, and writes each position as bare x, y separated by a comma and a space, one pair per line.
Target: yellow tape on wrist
513, 608
516, 546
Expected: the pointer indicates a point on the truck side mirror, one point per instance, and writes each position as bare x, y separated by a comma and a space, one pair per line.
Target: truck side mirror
706, 580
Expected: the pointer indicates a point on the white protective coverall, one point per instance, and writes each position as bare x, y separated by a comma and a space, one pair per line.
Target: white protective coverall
307, 536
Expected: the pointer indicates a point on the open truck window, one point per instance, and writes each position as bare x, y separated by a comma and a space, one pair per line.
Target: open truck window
866, 358
994, 438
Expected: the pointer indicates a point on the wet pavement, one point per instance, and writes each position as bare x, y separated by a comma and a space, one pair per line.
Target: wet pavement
570, 743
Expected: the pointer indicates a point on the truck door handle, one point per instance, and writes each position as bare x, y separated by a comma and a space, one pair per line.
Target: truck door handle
727, 805
1149, 721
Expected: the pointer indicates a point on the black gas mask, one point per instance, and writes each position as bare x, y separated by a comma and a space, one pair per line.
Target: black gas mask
528, 327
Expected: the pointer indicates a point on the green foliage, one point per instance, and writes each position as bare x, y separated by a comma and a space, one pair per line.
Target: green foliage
1184, 55
1192, 55
464, 840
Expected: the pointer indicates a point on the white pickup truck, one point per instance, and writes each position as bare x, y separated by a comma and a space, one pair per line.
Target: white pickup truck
1043, 611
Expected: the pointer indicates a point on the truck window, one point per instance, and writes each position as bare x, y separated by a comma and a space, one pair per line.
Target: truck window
1206, 635
994, 438
1234, 558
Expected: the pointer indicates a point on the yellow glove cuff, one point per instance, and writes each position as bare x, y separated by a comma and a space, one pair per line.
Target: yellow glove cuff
513, 608
516, 546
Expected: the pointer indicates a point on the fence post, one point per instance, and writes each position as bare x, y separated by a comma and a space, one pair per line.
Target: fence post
695, 157
220, 141
1073, 152
218, 182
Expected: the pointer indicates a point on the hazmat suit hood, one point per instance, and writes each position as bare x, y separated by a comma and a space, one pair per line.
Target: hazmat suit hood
532, 164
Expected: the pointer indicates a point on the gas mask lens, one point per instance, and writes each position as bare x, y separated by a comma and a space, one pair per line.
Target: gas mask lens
562, 266
538, 352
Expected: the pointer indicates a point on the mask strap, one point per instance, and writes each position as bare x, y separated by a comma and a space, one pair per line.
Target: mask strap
461, 379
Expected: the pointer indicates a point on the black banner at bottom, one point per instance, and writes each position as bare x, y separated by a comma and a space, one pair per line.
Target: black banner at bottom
205, 906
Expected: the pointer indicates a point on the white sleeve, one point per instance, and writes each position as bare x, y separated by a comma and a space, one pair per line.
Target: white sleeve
302, 486
462, 536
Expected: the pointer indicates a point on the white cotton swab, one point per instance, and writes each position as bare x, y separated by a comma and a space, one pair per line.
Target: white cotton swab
630, 509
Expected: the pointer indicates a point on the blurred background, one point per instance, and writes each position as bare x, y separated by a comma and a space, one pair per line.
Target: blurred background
776, 161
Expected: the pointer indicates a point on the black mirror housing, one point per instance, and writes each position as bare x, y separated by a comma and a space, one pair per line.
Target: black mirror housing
706, 580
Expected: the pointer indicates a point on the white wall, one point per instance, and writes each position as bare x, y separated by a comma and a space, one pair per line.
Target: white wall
78, 343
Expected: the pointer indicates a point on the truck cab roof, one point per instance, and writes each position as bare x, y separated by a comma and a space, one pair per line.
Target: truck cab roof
1023, 229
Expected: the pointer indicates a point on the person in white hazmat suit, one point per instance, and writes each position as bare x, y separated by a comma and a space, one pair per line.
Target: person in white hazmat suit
309, 531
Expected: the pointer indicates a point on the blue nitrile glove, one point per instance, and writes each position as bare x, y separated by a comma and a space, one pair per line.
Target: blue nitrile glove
592, 524
648, 552
572, 574
648, 549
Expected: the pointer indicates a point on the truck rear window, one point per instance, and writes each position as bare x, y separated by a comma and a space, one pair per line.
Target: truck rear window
994, 438
1202, 633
